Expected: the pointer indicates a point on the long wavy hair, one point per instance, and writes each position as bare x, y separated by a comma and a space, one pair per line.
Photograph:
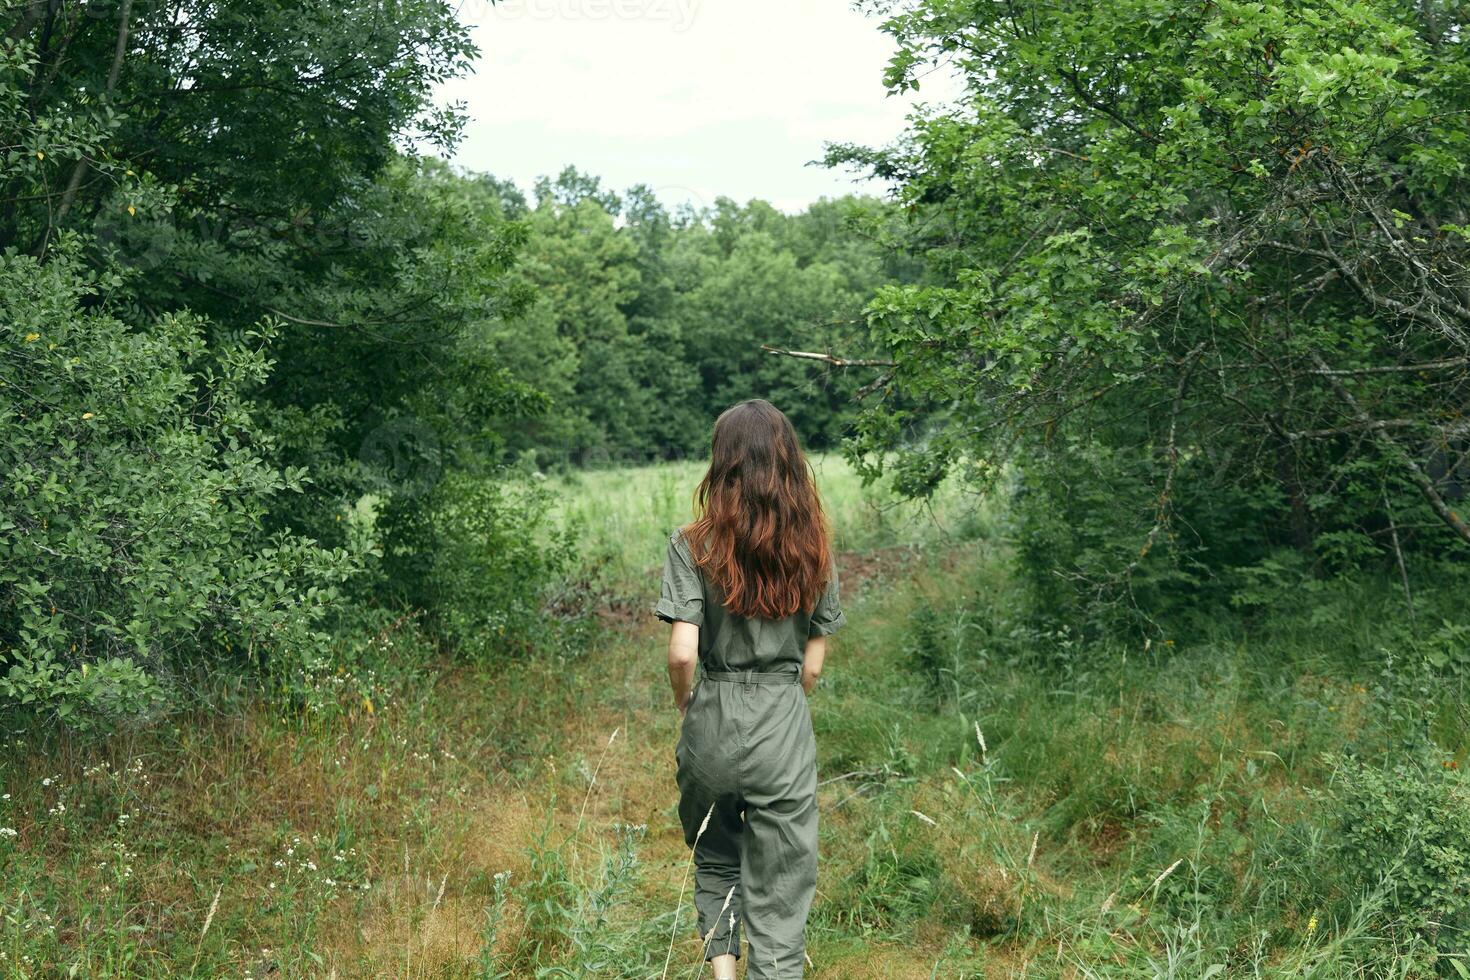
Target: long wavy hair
759, 532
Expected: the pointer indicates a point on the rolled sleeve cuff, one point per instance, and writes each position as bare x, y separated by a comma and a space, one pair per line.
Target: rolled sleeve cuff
829, 626
681, 612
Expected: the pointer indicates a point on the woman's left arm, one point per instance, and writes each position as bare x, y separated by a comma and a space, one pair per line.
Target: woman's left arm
812, 661
683, 655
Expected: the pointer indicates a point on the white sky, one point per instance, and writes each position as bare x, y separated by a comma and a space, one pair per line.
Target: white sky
695, 98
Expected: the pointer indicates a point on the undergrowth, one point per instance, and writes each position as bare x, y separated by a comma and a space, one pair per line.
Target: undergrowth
1000, 797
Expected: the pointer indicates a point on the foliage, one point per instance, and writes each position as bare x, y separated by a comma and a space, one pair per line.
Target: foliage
479, 557
1405, 832
130, 515
424, 326
648, 324
1203, 265
289, 301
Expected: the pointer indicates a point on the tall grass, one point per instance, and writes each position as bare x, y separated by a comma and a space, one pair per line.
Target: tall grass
998, 797
626, 515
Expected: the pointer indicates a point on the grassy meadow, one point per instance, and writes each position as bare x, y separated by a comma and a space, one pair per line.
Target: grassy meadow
626, 515
1000, 797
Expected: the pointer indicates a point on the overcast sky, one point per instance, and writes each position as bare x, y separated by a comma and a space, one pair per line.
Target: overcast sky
696, 98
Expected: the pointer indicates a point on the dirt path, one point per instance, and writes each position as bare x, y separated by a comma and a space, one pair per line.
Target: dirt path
619, 724
635, 784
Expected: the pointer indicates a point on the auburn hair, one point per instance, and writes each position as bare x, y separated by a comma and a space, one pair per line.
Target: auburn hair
759, 531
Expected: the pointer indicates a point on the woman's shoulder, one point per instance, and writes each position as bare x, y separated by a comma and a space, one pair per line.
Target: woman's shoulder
679, 543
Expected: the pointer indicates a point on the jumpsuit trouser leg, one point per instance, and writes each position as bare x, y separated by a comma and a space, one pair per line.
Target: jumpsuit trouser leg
746, 750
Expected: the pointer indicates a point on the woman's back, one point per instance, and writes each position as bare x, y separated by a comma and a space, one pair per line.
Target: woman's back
732, 642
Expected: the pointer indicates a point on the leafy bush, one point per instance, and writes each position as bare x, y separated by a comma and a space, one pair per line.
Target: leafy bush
1117, 286
477, 553
1080, 548
1405, 832
131, 505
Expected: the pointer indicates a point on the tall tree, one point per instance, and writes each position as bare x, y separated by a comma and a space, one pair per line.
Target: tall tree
1209, 260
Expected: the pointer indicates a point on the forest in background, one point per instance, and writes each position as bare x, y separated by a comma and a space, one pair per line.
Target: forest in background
237, 307
1184, 290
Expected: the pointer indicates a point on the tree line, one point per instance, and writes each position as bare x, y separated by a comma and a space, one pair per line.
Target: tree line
1191, 283
238, 314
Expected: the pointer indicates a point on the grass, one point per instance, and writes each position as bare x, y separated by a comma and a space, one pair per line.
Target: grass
998, 799
627, 514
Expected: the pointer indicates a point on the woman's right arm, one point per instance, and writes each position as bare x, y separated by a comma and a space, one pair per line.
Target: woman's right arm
683, 655
811, 665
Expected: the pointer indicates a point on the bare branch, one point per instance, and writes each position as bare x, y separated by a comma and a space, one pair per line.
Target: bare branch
1345, 430
841, 362
120, 48
1449, 362
1416, 474
1171, 453
872, 386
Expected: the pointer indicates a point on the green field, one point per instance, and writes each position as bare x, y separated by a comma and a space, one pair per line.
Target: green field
1000, 797
627, 514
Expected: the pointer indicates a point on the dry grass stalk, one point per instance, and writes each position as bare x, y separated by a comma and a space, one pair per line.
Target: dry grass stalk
723, 907
709, 936
1164, 874
593, 782
209, 917
208, 920
674, 929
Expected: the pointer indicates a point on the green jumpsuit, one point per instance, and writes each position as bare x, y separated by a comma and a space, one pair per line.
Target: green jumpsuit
746, 749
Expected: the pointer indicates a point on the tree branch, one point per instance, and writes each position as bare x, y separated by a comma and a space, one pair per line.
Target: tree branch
1449, 362
841, 362
1416, 473
124, 19
1345, 430
1171, 452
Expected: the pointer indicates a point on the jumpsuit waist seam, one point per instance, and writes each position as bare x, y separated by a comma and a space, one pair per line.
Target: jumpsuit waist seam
751, 676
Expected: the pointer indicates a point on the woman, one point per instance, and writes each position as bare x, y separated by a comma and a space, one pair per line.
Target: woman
750, 589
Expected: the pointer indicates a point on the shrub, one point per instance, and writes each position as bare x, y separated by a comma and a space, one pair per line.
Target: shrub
131, 504
1405, 832
478, 554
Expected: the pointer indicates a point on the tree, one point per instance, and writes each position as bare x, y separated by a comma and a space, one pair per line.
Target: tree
246, 286
132, 552
647, 325
1201, 270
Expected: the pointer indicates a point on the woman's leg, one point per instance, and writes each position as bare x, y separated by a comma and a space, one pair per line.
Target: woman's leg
718, 894
779, 880
718, 853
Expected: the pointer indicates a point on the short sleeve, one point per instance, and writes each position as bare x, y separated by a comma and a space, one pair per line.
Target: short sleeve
681, 595
828, 617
